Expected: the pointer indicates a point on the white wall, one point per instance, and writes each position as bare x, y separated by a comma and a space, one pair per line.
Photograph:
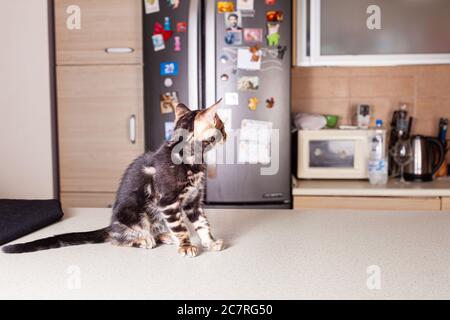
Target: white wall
26, 152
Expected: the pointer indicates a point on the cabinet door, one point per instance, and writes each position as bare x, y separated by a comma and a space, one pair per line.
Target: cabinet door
446, 204
87, 200
97, 106
98, 32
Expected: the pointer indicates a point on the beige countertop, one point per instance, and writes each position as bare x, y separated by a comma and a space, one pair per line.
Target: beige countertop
438, 188
270, 255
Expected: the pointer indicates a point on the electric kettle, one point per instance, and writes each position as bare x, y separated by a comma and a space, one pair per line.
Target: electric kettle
428, 154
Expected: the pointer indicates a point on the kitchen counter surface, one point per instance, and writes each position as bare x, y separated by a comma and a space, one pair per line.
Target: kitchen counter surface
270, 255
438, 188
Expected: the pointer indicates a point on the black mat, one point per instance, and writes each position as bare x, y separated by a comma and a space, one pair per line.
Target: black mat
21, 217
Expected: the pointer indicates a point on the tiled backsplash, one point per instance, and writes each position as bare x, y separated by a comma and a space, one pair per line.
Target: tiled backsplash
338, 90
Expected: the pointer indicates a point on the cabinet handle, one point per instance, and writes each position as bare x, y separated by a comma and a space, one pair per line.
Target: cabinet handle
119, 50
133, 129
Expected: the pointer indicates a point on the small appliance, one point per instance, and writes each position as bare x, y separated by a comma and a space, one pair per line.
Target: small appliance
428, 156
333, 154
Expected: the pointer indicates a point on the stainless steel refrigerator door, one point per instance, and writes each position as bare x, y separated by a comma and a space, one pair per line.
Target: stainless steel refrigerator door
186, 81
243, 183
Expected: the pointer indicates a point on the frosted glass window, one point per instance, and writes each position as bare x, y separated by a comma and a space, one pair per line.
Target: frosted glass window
407, 27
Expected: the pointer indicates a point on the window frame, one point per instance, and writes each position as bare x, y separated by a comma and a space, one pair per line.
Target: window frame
316, 59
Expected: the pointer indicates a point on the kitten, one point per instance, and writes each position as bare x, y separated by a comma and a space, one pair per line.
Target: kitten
156, 192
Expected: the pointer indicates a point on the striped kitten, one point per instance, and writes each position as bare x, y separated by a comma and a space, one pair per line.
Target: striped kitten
156, 192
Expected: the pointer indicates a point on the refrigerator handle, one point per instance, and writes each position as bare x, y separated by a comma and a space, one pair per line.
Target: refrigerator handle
193, 53
132, 129
119, 50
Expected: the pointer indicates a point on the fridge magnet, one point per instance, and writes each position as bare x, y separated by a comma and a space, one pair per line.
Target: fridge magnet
182, 27
169, 69
226, 116
168, 102
151, 6
256, 53
275, 16
224, 59
281, 51
245, 59
248, 83
177, 44
273, 37
224, 77
233, 38
174, 4
232, 99
255, 141
233, 21
253, 35
245, 5
159, 29
270, 103
253, 103
158, 42
168, 83
271, 2
169, 129
225, 6
167, 26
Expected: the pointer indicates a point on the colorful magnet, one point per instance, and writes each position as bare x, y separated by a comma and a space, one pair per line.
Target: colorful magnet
167, 26
271, 2
273, 37
253, 35
159, 29
248, 83
174, 3
225, 6
233, 38
233, 21
253, 103
181, 27
169, 69
169, 130
151, 6
177, 46
168, 83
270, 103
169, 101
158, 42
256, 53
275, 16
232, 99
224, 77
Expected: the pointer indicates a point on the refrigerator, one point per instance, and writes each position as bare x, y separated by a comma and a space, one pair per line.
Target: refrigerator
197, 52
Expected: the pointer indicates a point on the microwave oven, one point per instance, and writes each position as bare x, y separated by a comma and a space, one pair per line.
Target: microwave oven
333, 154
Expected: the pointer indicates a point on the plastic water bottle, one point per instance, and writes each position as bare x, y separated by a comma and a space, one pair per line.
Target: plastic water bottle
378, 165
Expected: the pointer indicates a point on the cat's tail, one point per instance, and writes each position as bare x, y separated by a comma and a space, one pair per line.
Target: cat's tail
59, 241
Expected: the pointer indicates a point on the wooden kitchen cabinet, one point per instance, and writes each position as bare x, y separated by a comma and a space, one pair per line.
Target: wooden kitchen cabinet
446, 204
97, 106
368, 203
87, 200
92, 32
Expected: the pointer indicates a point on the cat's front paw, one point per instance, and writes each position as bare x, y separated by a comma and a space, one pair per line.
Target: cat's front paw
217, 245
189, 251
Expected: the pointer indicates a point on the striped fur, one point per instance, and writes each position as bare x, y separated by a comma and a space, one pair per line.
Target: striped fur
155, 195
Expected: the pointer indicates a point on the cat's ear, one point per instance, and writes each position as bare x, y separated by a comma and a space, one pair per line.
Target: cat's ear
210, 114
180, 111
